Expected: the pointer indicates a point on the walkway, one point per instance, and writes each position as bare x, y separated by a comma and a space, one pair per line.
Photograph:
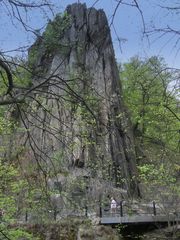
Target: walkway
138, 219
138, 214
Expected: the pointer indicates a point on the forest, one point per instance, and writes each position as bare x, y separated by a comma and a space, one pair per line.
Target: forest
78, 126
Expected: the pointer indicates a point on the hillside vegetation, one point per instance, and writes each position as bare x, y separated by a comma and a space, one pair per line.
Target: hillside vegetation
151, 94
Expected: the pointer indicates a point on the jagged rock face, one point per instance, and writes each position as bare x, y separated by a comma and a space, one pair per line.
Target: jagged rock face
86, 126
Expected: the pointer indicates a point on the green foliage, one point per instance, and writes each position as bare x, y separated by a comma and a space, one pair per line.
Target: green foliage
54, 32
10, 188
5, 125
58, 164
18, 234
154, 114
153, 107
160, 182
3, 83
18, 197
33, 56
161, 176
50, 41
22, 76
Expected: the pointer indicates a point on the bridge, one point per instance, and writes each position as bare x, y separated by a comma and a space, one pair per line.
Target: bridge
137, 219
139, 214
127, 213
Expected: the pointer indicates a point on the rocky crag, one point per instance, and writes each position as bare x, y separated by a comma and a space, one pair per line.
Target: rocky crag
78, 127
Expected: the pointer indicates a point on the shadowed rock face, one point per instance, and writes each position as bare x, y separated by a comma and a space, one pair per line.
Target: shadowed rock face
86, 124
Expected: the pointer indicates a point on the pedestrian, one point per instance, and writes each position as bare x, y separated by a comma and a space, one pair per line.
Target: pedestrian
113, 205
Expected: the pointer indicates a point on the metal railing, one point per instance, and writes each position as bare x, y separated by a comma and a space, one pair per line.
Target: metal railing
128, 209
124, 208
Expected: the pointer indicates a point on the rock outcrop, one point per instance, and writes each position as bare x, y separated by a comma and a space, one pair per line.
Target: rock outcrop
78, 122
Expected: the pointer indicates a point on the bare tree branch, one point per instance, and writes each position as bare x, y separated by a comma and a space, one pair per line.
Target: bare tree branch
9, 75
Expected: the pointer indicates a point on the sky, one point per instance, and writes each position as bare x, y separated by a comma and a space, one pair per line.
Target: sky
128, 25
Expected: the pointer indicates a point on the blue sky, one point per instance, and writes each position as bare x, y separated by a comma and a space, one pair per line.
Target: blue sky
128, 24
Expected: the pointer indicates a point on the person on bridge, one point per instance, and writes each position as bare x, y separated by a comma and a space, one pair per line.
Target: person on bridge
113, 205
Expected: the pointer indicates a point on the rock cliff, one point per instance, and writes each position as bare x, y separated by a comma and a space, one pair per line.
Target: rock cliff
78, 123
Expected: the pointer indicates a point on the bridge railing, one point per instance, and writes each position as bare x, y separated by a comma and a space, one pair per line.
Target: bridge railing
124, 208
135, 208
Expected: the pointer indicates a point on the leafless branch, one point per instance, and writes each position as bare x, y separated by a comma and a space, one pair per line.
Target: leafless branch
176, 8
9, 75
173, 113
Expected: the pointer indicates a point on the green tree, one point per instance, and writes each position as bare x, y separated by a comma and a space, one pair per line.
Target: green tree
153, 104
147, 87
12, 186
